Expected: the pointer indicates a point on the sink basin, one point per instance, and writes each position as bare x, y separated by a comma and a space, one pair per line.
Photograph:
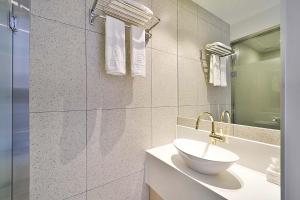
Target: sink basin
204, 157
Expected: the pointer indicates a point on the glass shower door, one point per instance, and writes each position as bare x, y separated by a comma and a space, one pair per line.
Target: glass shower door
5, 102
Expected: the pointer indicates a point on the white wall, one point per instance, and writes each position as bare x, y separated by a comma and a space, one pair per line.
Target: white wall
291, 108
261, 21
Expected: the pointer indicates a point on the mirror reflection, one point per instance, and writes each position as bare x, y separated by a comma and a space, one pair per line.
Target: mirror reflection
256, 81
230, 61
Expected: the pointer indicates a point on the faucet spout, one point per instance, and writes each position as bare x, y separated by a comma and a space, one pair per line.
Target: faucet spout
213, 134
210, 117
227, 113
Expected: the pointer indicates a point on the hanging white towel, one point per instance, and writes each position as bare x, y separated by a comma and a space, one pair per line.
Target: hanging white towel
223, 70
215, 73
211, 69
115, 56
138, 51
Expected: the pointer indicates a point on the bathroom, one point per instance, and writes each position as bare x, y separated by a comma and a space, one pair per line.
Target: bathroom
215, 78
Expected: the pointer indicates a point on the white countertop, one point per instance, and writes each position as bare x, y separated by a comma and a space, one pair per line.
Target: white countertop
237, 183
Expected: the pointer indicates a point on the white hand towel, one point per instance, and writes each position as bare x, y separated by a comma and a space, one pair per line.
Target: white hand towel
115, 56
223, 71
138, 52
211, 69
216, 70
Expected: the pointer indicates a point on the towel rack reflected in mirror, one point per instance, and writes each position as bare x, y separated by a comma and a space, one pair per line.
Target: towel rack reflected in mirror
129, 12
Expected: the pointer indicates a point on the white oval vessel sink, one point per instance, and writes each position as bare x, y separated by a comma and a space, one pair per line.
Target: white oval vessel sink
204, 157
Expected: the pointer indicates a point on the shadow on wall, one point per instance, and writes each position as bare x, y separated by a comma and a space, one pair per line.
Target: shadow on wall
71, 139
117, 92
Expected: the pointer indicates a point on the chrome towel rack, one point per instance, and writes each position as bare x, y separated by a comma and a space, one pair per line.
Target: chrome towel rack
219, 49
129, 12
216, 48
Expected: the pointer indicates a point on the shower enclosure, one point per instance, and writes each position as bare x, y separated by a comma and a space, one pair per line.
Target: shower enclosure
14, 111
256, 80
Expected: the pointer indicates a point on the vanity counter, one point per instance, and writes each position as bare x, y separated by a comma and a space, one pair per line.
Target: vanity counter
173, 180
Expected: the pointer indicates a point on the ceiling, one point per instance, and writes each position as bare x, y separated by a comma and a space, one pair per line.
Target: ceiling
264, 43
233, 11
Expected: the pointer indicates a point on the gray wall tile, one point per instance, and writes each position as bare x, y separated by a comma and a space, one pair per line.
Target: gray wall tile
165, 33
191, 82
57, 154
188, 37
130, 187
164, 79
164, 120
189, 6
195, 111
117, 140
57, 74
67, 11
78, 197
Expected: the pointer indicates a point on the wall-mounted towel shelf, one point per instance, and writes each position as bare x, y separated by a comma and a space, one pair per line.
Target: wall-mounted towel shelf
130, 12
218, 48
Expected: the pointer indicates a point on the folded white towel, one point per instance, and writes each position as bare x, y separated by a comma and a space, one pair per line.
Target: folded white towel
220, 44
223, 70
138, 51
115, 56
140, 6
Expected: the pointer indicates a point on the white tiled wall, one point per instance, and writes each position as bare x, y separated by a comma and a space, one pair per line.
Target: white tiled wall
196, 28
88, 129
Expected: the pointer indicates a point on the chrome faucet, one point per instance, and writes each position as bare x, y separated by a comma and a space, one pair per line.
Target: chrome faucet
215, 137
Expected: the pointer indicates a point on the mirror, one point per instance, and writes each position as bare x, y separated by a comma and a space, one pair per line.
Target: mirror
251, 90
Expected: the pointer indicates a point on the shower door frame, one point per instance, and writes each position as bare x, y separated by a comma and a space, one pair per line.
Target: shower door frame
18, 22
20, 137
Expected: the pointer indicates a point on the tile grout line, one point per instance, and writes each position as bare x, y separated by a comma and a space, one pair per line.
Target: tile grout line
120, 108
55, 111
57, 21
93, 109
67, 198
114, 180
86, 102
177, 67
151, 102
